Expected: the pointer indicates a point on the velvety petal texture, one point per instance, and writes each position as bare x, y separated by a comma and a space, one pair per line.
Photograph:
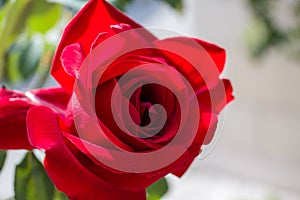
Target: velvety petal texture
96, 17
200, 62
63, 168
13, 110
14, 106
65, 121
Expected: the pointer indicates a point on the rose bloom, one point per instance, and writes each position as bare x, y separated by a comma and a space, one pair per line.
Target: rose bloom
58, 120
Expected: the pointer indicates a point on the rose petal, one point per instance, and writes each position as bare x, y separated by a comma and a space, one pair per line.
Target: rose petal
114, 29
63, 168
83, 29
200, 62
217, 97
126, 63
205, 134
13, 110
216, 53
95, 159
71, 58
53, 97
116, 134
100, 161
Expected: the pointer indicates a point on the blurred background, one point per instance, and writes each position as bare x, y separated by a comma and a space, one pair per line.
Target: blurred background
257, 156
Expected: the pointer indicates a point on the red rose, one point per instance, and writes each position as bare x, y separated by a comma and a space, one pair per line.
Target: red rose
133, 108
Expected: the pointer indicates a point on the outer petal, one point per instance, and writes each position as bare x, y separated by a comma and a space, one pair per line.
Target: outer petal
200, 62
205, 134
14, 106
96, 17
13, 111
93, 156
65, 171
56, 98
217, 97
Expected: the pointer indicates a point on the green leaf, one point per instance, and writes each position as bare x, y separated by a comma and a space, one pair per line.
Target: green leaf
12, 73
59, 196
157, 190
31, 181
176, 4
2, 158
30, 57
23, 59
43, 17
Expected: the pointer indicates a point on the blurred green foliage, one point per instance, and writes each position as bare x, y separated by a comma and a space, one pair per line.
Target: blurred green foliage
157, 190
31, 181
23, 37
121, 4
266, 31
176, 4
